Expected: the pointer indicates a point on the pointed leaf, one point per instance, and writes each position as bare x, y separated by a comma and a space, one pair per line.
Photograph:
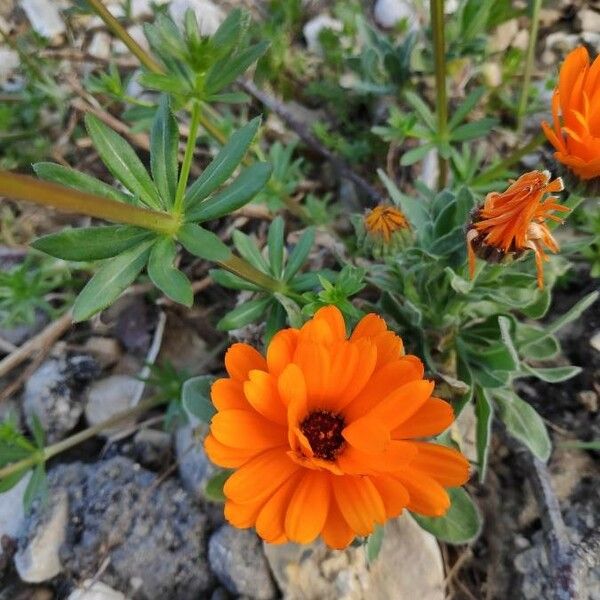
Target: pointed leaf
37, 486
164, 145
299, 254
223, 165
524, 423
247, 247
484, 412
275, 246
195, 397
465, 107
110, 281
203, 243
167, 278
244, 314
552, 374
91, 243
248, 183
122, 162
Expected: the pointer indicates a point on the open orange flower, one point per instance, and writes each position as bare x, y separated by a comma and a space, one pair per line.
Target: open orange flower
511, 222
385, 220
326, 433
576, 132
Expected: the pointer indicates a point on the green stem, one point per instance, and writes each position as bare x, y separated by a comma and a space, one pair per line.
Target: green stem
22, 187
533, 33
55, 449
509, 161
439, 53
238, 266
122, 34
186, 165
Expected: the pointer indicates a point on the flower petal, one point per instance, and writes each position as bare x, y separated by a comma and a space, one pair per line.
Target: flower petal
224, 456
261, 392
433, 417
246, 429
228, 393
281, 350
394, 495
241, 358
426, 495
359, 502
308, 507
446, 465
336, 531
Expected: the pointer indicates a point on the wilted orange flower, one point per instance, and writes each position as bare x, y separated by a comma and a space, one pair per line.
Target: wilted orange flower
576, 133
513, 221
384, 220
326, 433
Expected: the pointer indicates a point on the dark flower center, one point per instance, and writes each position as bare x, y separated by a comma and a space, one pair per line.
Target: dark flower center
323, 430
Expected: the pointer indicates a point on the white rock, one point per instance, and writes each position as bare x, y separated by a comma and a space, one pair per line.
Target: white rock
313, 28
409, 566
39, 560
109, 396
388, 13
95, 590
208, 14
521, 40
595, 341
492, 74
12, 512
504, 35
44, 17
9, 61
589, 20
100, 45
193, 465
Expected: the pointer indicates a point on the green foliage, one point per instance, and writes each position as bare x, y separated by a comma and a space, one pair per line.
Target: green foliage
127, 250
195, 398
461, 524
167, 384
24, 289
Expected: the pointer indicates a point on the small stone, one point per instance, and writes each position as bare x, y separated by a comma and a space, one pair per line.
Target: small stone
12, 513
408, 566
52, 393
521, 40
19, 334
237, 559
504, 35
45, 18
9, 61
152, 448
492, 74
194, 467
561, 42
588, 19
38, 556
95, 590
208, 14
389, 13
312, 30
549, 16
110, 396
588, 399
105, 350
100, 45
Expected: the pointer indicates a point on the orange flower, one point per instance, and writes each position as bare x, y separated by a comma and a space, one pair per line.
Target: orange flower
576, 133
385, 220
326, 433
513, 221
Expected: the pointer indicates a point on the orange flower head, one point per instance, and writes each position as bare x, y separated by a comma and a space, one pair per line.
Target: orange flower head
326, 434
385, 220
511, 222
576, 115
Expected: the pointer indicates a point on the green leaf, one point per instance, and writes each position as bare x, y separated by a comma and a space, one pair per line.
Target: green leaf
229, 98
552, 374
484, 412
421, 108
231, 281
39, 434
223, 165
299, 254
415, 154
461, 524
292, 310
593, 445
533, 342
226, 70
214, 487
203, 243
37, 486
167, 278
539, 307
524, 423
122, 162
469, 131
6, 483
505, 332
275, 246
465, 107
248, 183
91, 243
374, 543
244, 314
195, 397
246, 246
110, 281
164, 146
79, 181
